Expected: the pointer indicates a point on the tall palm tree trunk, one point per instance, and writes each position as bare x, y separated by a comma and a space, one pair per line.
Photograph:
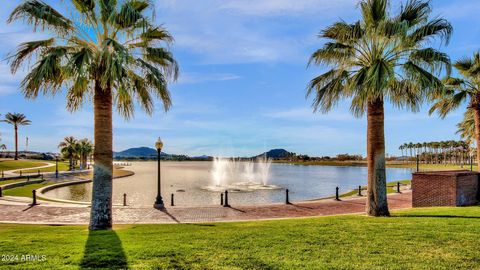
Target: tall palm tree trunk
16, 142
101, 212
476, 108
376, 193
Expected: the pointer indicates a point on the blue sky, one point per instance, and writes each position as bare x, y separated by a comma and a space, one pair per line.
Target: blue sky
242, 85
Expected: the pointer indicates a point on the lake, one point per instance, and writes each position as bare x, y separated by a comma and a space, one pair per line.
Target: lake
187, 181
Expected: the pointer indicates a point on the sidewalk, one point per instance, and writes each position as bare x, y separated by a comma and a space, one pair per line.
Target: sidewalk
14, 210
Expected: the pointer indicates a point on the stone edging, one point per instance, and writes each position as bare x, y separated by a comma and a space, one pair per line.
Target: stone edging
21, 184
43, 190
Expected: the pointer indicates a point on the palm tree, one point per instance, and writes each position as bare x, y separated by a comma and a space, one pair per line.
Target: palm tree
378, 59
69, 149
410, 146
465, 89
108, 50
16, 120
466, 128
85, 148
425, 152
2, 146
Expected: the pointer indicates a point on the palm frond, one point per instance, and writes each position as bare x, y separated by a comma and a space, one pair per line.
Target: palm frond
424, 78
464, 65
124, 102
25, 51
130, 13
40, 14
164, 59
16, 119
440, 28
329, 89
448, 103
87, 8
140, 86
342, 32
156, 80
415, 12
373, 11
331, 53
404, 94
107, 10
433, 59
47, 74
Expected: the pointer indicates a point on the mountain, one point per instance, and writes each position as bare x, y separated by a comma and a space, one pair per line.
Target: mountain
276, 154
146, 153
137, 152
203, 157
150, 153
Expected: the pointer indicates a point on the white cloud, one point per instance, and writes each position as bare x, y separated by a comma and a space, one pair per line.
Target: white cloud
231, 31
455, 10
285, 7
195, 78
9, 83
307, 114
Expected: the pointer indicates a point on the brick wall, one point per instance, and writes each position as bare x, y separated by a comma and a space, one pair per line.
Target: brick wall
467, 190
448, 188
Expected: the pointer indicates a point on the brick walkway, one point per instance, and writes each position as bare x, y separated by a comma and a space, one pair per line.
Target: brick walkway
54, 213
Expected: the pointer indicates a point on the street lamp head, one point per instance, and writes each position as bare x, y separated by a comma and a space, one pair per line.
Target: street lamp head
159, 144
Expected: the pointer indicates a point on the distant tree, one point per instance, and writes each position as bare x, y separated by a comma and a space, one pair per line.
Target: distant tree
69, 149
85, 149
16, 120
2, 146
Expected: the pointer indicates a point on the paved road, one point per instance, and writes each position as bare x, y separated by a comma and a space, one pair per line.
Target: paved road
17, 210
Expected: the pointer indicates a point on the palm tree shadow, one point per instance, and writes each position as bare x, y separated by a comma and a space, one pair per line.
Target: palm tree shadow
104, 250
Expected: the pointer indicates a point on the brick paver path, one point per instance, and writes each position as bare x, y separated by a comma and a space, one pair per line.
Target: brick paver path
15, 211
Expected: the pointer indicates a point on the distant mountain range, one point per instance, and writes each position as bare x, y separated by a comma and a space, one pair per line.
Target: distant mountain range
137, 152
150, 153
145, 153
276, 154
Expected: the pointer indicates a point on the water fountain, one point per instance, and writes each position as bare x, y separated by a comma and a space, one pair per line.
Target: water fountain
240, 176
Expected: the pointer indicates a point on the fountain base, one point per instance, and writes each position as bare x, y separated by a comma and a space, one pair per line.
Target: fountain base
241, 187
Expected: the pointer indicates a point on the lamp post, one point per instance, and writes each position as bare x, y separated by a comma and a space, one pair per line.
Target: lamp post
56, 166
159, 201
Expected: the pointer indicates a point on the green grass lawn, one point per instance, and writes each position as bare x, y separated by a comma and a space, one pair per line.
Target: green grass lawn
409, 165
437, 238
6, 165
431, 167
25, 191
391, 188
5, 182
62, 166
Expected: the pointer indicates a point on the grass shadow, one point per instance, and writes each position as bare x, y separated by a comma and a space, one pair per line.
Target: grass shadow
103, 250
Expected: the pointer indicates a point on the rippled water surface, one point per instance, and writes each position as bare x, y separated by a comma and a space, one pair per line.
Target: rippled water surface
186, 181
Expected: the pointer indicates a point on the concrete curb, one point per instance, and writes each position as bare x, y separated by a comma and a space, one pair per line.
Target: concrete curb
21, 184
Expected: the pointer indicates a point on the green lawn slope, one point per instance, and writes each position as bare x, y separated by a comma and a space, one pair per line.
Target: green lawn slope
436, 238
